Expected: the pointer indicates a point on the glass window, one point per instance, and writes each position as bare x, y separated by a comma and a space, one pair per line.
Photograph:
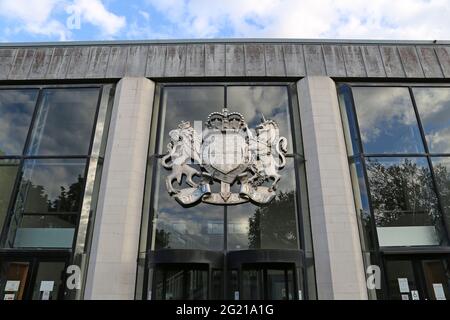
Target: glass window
401, 279
49, 276
64, 122
52, 185
433, 105
271, 226
47, 207
16, 111
257, 102
188, 104
365, 220
441, 168
348, 120
178, 227
404, 202
8, 172
387, 121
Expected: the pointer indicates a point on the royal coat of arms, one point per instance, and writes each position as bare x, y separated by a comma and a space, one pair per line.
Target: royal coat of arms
225, 152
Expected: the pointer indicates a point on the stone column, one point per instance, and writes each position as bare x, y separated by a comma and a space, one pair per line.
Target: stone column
336, 243
112, 262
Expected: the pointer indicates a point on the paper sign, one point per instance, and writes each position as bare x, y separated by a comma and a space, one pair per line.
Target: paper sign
405, 297
439, 291
403, 284
300, 297
236, 295
46, 295
9, 296
12, 285
47, 286
415, 295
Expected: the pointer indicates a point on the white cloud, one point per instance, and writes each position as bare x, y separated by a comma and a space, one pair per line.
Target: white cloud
95, 13
33, 17
43, 17
401, 19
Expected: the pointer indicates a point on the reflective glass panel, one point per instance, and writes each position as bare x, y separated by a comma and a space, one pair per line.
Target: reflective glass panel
16, 111
48, 280
441, 168
8, 173
178, 227
365, 219
193, 103
276, 285
52, 185
387, 121
253, 284
64, 122
256, 102
348, 120
47, 207
401, 279
270, 226
433, 105
404, 202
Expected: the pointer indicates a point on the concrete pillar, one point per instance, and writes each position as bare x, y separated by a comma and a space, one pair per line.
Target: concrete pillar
336, 243
112, 262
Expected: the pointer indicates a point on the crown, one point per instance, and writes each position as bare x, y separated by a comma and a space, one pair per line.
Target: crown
225, 120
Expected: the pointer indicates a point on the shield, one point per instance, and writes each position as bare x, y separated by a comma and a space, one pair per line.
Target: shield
225, 154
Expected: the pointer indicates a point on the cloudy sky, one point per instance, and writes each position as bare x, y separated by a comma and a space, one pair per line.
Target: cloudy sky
53, 20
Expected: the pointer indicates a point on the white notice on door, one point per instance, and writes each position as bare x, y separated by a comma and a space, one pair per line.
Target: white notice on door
47, 286
46, 295
405, 297
439, 291
403, 285
9, 296
12, 285
415, 295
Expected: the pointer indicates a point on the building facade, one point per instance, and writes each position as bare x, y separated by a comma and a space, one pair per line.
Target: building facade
351, 202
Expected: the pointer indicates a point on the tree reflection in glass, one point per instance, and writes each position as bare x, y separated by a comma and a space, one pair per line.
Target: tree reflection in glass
270, 226
50, 197
403, 196
441, 167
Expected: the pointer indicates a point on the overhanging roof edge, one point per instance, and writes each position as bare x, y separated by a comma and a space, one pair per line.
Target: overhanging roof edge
227, 40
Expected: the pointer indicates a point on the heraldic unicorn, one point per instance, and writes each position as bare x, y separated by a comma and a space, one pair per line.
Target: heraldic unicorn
226, 152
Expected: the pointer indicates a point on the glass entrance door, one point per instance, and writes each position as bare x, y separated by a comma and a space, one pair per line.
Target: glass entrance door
421, 278
180, 282
268, 282
31, 279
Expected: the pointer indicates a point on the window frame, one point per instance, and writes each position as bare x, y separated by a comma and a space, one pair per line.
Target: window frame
24, 156
301, 199
380, 253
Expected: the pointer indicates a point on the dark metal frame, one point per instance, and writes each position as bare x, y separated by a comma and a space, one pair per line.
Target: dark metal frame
156, 141
383, 252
